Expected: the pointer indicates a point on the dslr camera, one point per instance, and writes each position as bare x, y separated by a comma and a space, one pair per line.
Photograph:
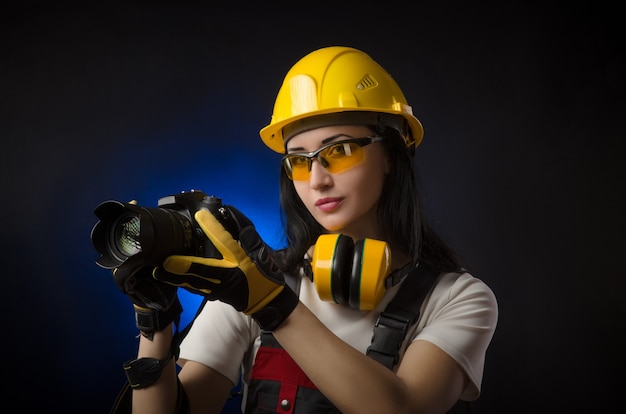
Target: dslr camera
128, 235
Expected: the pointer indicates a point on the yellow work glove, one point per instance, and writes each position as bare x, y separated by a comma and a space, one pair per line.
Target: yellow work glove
245, 276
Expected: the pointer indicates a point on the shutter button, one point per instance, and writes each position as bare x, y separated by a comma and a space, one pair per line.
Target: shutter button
285, 404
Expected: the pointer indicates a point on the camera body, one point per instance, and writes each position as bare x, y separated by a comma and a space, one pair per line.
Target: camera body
128, 235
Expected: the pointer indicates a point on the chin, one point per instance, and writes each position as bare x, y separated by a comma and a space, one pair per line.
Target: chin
333, 227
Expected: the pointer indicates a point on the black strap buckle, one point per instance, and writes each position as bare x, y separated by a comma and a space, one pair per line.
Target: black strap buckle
389, 333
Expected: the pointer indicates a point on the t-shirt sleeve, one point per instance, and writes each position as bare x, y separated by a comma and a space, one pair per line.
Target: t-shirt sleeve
460, 317
220, 338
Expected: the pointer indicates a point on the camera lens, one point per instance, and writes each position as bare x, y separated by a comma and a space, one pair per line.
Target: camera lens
126, 235
132, 235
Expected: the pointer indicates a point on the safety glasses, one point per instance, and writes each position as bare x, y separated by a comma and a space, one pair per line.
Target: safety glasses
335, 157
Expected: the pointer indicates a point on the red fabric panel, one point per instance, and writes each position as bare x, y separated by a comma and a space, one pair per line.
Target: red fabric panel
276, 365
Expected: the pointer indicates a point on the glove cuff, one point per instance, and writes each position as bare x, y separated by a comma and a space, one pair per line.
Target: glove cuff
275, 312
149, 321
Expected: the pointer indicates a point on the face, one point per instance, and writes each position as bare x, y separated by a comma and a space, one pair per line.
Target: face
343, 202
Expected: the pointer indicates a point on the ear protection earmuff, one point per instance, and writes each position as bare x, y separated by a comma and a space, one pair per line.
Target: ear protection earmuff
350, 273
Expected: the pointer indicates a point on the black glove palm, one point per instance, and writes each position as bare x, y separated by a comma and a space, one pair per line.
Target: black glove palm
156, 303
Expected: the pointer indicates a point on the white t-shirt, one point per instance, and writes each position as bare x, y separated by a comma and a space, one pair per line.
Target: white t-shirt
459, 316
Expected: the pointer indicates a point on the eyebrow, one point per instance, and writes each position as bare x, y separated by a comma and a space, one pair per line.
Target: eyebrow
324, 142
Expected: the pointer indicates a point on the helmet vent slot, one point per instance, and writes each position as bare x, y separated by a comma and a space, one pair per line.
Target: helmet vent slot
366, 82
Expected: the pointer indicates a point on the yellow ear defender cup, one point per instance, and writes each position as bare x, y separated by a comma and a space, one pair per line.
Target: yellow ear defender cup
371, 265
332, 259
350, 273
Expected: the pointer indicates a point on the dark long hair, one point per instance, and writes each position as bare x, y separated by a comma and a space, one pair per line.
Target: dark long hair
400, 216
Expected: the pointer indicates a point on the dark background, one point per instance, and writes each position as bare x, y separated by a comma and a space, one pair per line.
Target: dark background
522, 169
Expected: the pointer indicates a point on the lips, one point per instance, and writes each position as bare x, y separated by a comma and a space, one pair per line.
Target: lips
328, 204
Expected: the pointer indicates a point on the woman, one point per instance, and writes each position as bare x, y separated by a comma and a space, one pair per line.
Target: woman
348, 195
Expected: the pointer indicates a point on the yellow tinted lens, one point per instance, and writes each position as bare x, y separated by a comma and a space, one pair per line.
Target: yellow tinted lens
299, 167
342, 156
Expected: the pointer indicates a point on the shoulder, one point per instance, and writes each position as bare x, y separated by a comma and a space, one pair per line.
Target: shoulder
462, 286
458, 298
219, 324
219, 338
217, 315
460, 303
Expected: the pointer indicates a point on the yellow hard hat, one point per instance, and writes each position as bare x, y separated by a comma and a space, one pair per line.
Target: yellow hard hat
343, 81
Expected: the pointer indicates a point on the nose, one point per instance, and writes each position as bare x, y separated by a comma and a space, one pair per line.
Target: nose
320, 177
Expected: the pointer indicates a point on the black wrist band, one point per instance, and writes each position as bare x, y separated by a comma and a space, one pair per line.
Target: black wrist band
143, 372
149, 321
272, 315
